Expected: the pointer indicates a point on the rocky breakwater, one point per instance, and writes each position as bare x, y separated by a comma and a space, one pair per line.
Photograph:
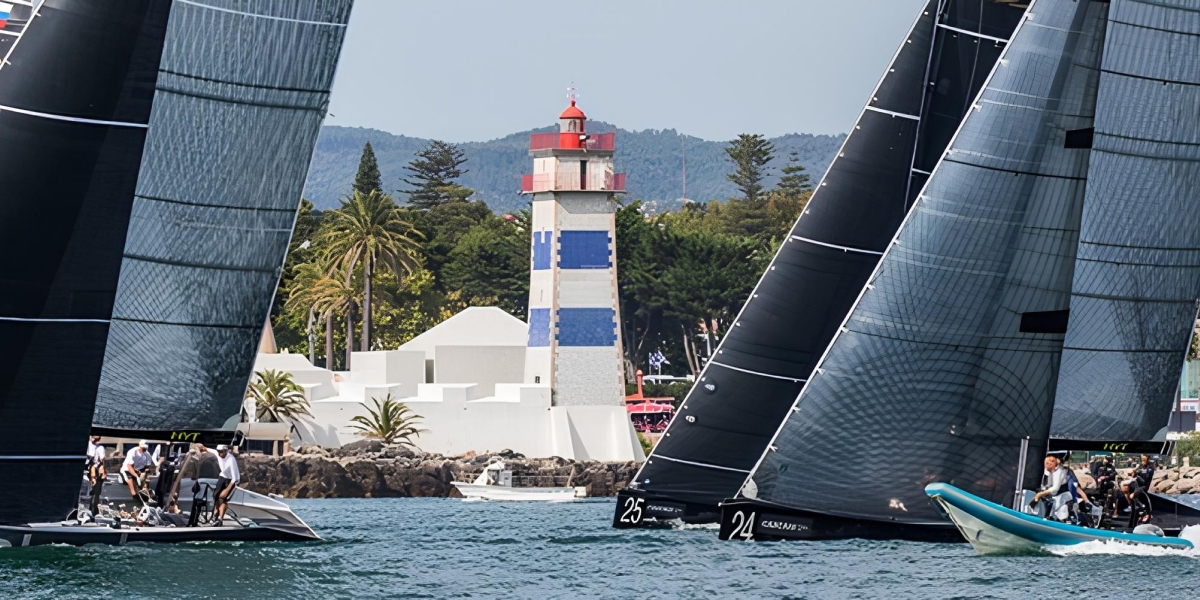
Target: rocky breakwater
368, 469
1171, 480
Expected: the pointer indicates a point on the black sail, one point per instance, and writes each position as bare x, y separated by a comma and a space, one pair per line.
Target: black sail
743, 394
950, 356
242, 93
75, 100
1138, 272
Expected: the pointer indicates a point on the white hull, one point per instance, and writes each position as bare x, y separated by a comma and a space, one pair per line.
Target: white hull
499, 493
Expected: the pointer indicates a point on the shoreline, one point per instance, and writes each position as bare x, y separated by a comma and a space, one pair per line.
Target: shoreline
370, 470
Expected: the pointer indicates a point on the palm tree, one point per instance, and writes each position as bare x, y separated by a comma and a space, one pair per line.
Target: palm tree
369, 228
315, 287
277, 397
390, 422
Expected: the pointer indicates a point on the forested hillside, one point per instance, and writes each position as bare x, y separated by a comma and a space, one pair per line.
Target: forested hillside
651, 158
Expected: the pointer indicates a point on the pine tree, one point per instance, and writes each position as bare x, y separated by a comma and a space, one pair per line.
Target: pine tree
794, 181
433, 173
368, 178
750, 155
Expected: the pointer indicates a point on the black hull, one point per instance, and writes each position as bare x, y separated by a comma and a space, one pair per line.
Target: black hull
752, 520
638, 509
41, 535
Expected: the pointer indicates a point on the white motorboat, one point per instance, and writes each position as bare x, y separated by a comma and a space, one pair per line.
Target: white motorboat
495, 484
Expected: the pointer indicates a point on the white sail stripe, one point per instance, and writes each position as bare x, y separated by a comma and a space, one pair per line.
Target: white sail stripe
973, 33
34, 113
698, 464
30, 320
21, 2
12, 33
732, 368
827, 245
916, 170
56, 457
258, 16
894, 113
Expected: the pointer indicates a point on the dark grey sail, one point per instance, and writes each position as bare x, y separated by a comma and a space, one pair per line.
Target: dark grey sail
243, 90
1138, 272
949, 358
742, 395
75, 100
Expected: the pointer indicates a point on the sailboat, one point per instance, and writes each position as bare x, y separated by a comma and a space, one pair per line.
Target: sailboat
238, 98
960, 331
762, 363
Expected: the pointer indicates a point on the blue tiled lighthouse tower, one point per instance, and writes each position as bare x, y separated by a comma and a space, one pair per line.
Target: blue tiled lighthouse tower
574, 342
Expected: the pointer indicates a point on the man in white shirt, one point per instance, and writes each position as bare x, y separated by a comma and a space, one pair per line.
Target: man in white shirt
1054, 481
96, 472
136, 460
228, 479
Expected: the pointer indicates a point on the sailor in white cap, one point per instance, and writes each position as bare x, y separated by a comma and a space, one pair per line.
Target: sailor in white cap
136, 461
228, 479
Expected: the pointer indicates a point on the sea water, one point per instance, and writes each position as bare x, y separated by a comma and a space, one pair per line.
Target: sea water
442, 548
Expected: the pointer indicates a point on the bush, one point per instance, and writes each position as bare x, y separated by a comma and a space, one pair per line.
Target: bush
646, 445
1189, 445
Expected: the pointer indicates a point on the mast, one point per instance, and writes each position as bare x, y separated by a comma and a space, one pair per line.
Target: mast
240, 99
1133, 304
75, 101
949, 358
762, 362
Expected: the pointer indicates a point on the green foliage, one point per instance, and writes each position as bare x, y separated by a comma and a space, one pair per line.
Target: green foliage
794, 181
1189, 445
647, 447
432, 174
369, 230
491, 261
750, 154
389, 422
368, 178
277, 398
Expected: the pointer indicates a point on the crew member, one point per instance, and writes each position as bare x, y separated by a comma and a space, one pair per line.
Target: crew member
1144, 473
136, 461
228, 479
96, 471
1054, 482
1106, 478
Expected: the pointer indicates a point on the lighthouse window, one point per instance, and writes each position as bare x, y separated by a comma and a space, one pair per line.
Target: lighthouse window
573, 125
583, 175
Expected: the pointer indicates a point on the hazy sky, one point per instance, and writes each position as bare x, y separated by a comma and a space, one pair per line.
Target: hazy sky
465, 70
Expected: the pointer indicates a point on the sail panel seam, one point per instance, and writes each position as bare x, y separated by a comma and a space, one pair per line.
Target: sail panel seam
835, 246
1013, 171
51, 320
1148, 78
972, 33
260, 16
216, 98
700, 464
53, 117
203, 205
180, 324
894, 113
748, 371
257, 86
179, 263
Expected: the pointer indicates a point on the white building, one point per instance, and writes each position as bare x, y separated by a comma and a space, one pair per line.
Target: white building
496, 412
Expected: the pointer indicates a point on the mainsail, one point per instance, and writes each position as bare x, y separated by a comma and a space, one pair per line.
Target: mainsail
760, 366
1138, 272
949, 357
242, 93
75, 100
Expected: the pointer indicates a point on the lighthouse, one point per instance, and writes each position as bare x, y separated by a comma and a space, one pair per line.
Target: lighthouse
574, 342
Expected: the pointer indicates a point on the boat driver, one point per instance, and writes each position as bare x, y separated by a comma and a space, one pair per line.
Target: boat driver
228, 480
1143, 473
138, 460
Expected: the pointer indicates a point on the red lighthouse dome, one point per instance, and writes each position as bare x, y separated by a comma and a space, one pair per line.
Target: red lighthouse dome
571, 129
572, 112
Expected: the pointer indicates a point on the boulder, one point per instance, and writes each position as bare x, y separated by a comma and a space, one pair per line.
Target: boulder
1162, 486
311, 450
1186, 486
1086, 481
397, 451
359, 448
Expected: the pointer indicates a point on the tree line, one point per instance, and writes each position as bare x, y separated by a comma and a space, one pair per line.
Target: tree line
374, 273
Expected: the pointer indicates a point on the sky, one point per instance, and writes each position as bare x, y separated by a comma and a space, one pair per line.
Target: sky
474, 70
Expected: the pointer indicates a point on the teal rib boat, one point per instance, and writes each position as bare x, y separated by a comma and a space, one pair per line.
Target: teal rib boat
994, 529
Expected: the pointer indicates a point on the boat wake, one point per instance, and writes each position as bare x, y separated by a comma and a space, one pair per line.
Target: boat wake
1191, 534
677, 524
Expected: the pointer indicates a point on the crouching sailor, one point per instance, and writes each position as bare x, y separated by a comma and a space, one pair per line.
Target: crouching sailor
137, 462
1055, 492
228, 479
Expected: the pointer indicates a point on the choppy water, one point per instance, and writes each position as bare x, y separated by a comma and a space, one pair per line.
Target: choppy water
435, 548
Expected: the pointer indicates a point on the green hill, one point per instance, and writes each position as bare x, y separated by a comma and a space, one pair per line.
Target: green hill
651, 158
